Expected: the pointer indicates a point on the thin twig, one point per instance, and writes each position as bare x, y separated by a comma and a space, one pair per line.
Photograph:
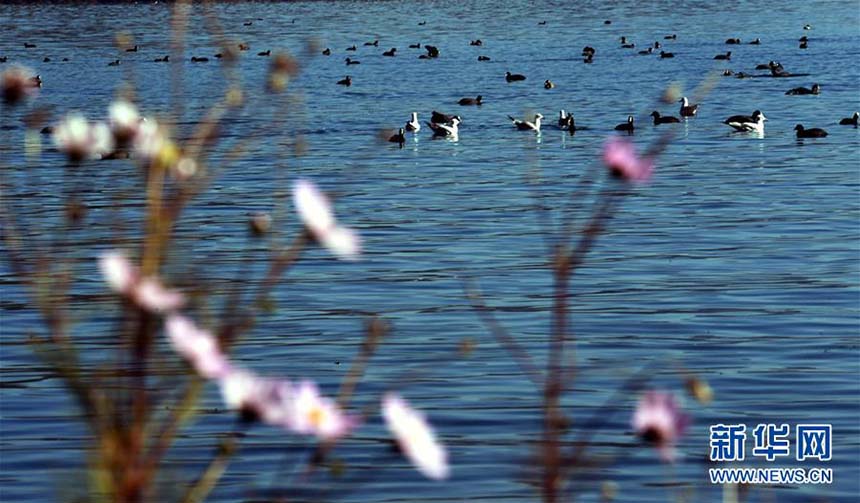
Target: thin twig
216, 468
180, 412
520, 356
543, 214
376, 330
280, 264
600, 417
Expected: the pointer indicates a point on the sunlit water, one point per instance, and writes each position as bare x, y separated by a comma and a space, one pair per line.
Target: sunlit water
739, 261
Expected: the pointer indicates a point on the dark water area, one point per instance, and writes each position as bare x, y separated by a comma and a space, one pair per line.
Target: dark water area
740, 261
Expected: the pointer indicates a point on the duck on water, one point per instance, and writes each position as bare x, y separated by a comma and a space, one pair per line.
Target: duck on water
747, 124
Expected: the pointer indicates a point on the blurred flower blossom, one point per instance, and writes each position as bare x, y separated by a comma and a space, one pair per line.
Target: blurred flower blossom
18, 83
279, 403
658, 420
282, 68
274, 402
314, 414
343, 242
184, 169
620, 158
415, 437
152, 295
148, 293
79, 139
118, 271
316, 213
152, 144
124, 120
700, 390
199, 347
103, 143
245, 391
149, 139
672, 93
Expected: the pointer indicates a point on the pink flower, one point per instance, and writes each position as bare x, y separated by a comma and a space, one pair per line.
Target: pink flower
316, 214
276, 402
153, 296
415, 437
258, 398
148, 293
199, 347
314, 414
620, 158
657, 420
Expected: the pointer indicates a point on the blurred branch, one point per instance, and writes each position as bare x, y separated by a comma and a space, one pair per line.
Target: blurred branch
201, 489
181, 411
93, 404
503, 338
375, 331
542, 211
280, 264
600, 418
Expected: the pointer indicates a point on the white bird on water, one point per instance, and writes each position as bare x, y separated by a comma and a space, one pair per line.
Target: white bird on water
413, 125
688, 110
446, 129
747, 124
526, 125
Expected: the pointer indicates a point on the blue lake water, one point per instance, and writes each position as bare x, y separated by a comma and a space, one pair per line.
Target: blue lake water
738, 262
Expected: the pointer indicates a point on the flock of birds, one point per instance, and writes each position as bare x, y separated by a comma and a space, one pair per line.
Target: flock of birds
447, 125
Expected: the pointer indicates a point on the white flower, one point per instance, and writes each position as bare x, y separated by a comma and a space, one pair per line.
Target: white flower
343, 242
118, 271
102, 140
80, 140
238, 388
151, 295
149, 140
267, 400
415, 437
124, 119
148, 293
316, 214
314, 414
198, 346
313, 207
